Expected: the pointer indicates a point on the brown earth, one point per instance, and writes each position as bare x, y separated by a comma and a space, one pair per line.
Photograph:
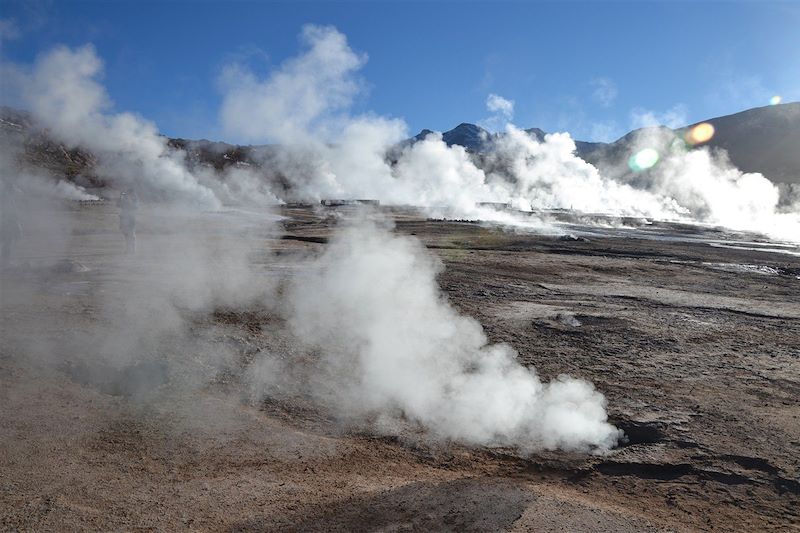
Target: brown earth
698, 357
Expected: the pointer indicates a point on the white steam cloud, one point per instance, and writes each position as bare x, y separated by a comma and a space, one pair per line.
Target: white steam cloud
497, 104
502, 111
705, 187
64, 95
299, 101
328, 152
393, 347
62, 91
549, 175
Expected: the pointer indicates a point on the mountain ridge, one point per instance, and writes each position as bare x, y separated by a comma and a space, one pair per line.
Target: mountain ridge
763, 139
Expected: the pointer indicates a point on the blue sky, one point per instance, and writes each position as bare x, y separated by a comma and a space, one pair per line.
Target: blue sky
595, 69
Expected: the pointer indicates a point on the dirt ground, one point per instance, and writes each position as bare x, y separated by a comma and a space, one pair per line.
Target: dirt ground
696, 347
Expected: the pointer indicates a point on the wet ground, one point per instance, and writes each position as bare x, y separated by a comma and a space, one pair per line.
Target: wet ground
694, 339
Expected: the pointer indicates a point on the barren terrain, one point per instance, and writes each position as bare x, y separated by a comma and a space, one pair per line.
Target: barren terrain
696, 347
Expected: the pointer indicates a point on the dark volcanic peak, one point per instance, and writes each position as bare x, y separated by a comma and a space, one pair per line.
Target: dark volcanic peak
421, 135
470, 136
537, 133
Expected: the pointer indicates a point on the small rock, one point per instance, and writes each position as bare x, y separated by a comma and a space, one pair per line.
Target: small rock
568, 319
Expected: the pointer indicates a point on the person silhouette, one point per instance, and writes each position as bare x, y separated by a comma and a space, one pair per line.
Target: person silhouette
128, 203
10, 227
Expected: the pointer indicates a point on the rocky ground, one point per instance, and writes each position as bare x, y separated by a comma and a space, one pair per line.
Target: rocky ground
696, 347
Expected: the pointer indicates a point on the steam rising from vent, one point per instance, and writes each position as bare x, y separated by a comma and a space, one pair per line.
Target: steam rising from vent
327, 151
393, 347
32, 183
703, 186
331, 153
62, 91
549, 174
63, 94
297, 103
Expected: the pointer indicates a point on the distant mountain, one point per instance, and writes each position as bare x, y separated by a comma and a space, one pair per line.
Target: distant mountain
763, 139
467, 135
537, 133
472, 137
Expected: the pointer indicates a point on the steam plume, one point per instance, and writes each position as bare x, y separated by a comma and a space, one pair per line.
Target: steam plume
306, 103
394, 347
62, 91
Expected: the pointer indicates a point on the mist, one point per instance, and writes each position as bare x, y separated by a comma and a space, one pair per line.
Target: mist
707, 188
193, 255
348, 156
141, 325
62, 91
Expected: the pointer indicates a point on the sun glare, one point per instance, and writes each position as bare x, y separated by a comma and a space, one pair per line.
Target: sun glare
643, 159
700, 133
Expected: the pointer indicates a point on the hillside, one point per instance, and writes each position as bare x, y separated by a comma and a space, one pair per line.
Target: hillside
764, 139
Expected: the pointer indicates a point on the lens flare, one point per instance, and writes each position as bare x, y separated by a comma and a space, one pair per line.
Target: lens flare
643, 159
700, 133
775, 100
